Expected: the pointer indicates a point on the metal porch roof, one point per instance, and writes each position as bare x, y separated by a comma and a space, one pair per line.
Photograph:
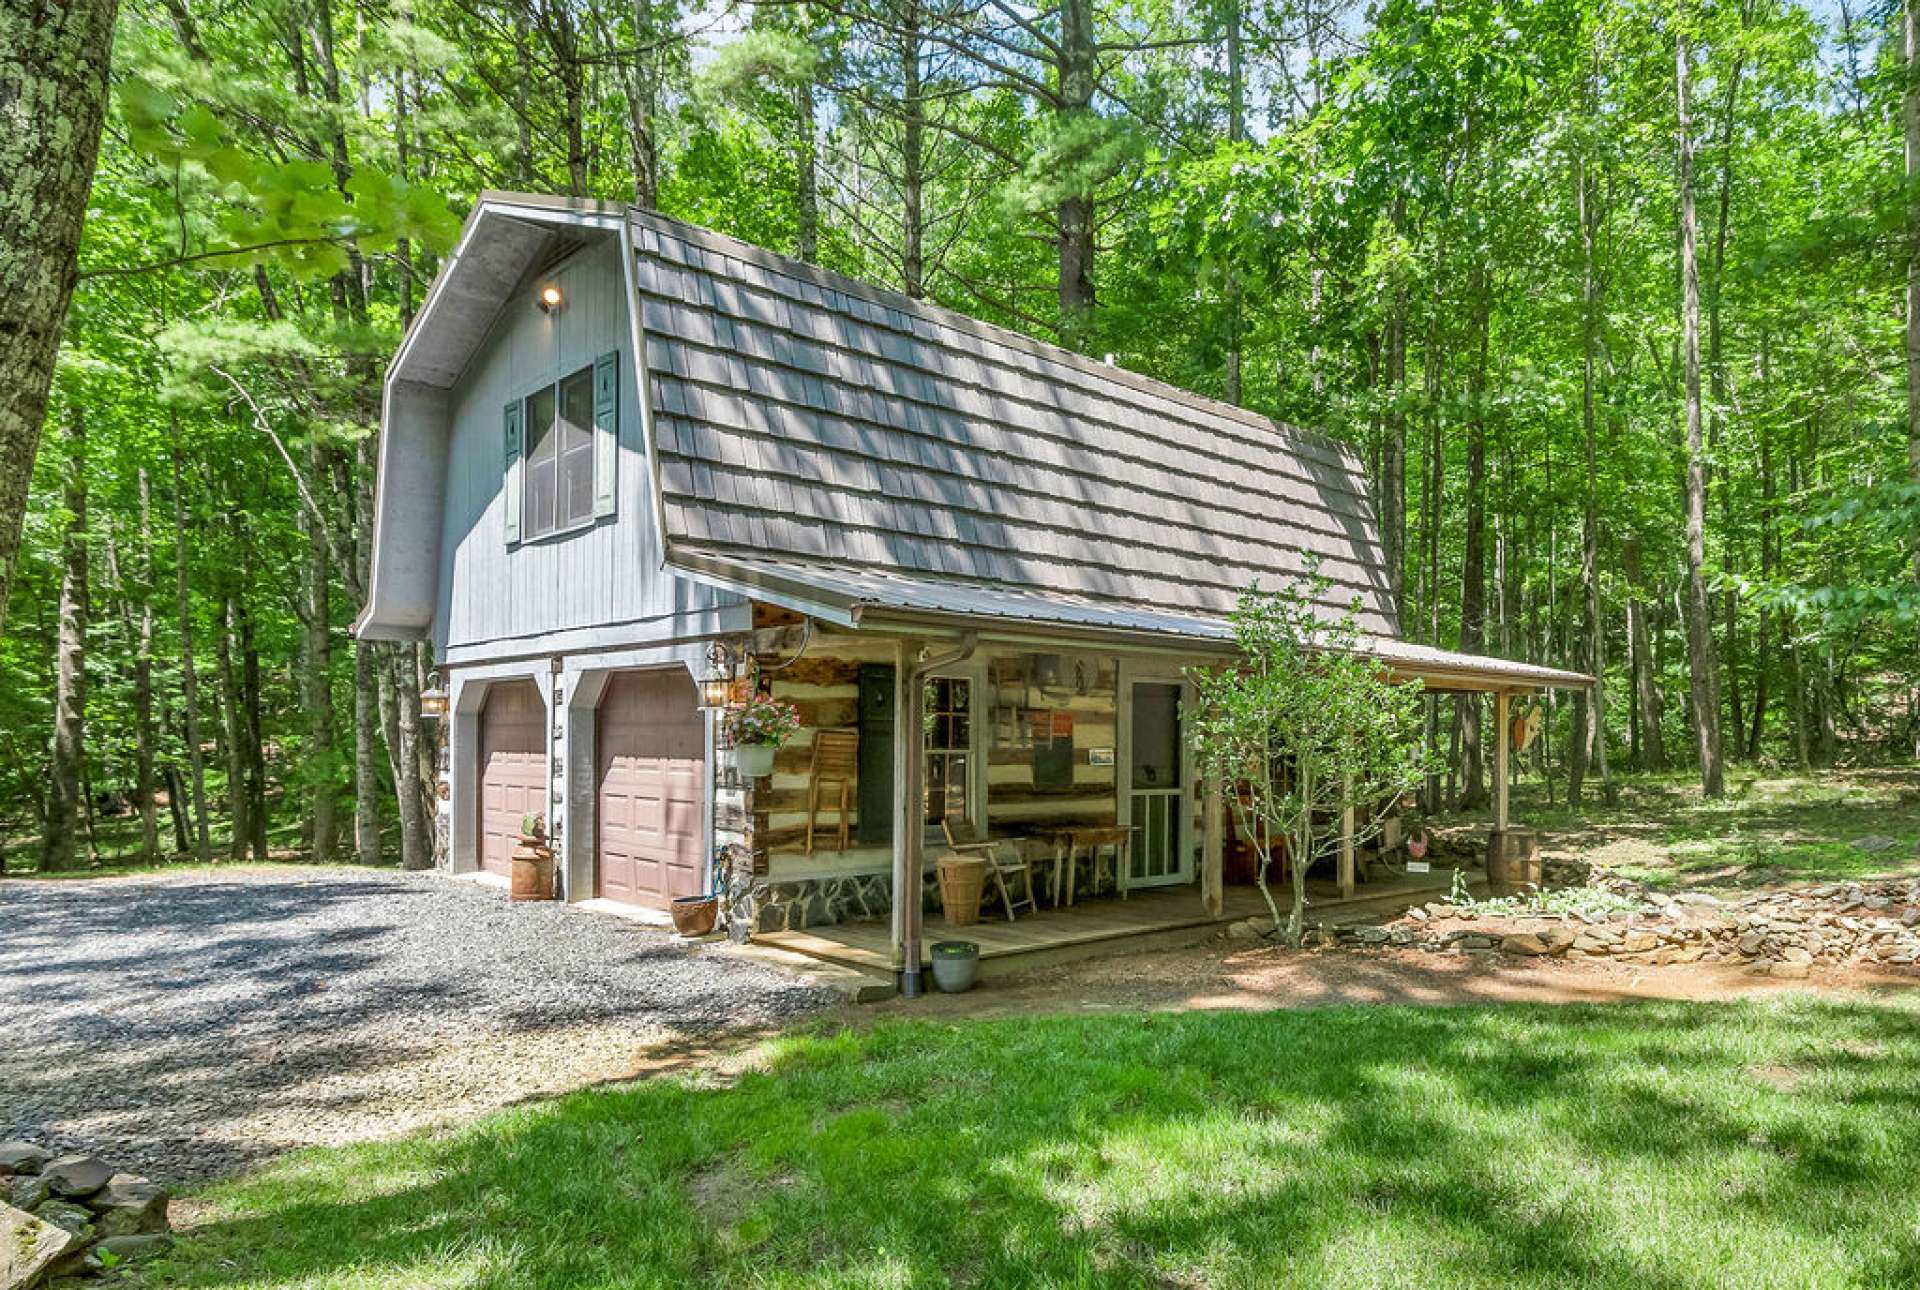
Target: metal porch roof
857, 598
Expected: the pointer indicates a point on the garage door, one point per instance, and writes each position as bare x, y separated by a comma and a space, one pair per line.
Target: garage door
652, 775
513, 769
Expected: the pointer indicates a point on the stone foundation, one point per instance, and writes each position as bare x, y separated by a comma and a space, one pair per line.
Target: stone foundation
771, 905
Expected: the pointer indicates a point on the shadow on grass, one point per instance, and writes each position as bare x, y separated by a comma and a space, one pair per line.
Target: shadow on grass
1621, 1145
1772, 828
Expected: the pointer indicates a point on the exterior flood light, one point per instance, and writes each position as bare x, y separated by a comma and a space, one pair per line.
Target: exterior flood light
550, 299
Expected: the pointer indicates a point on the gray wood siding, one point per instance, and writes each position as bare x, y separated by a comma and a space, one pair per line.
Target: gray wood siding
606, 576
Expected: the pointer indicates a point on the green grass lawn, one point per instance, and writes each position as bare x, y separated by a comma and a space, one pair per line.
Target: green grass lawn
1770, 1143
1771, 829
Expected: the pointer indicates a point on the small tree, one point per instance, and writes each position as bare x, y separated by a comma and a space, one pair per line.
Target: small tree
1304, 725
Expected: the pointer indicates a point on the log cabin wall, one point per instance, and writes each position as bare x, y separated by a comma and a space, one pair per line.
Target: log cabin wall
1049, 717
1032, 720
824, 686
1045, 749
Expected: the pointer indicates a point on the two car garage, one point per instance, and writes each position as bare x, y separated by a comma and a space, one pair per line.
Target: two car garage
649, 778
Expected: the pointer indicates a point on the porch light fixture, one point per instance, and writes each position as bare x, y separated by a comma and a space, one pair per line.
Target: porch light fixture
433, 700
551, 301
723, 669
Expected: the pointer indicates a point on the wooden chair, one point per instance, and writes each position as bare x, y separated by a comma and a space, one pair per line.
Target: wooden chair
965, 839
836, 760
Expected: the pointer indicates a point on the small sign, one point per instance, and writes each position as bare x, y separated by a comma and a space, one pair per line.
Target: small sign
1099, 756
1419, 866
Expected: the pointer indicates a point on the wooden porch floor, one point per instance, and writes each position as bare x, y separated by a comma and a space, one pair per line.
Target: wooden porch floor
1090, 923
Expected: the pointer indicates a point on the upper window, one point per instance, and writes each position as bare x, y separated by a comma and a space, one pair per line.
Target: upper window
559, 487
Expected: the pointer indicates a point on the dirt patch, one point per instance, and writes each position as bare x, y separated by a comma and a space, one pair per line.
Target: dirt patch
720, 1192
1235, 975
1783, 1078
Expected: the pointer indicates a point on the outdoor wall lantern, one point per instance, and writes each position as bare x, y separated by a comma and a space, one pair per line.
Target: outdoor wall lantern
551, 301
723, 670
433, 699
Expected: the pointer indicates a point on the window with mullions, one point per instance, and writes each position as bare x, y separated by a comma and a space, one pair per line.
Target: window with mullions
559, 487
949, 749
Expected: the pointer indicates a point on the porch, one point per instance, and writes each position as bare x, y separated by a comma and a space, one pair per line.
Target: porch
1145, 919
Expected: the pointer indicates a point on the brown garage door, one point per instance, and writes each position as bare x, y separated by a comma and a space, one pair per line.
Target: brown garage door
513, 769
652, 775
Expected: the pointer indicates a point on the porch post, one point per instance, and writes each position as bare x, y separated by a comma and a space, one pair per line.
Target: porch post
904, 792
1502, 744
1346, 840
1212, 852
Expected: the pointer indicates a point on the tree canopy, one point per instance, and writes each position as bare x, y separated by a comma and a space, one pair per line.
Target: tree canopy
1450, 234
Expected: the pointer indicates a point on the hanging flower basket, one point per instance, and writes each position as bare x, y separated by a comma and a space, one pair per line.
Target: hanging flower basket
758, 729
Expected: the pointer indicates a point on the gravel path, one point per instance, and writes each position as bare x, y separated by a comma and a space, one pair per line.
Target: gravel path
186, 1026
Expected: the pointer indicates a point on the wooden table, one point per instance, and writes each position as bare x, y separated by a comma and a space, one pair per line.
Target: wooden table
1067, 843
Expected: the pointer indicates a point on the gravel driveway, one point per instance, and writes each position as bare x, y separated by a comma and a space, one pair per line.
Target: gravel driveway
184, 1026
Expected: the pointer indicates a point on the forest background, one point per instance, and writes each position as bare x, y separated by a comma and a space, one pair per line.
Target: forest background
1617, 300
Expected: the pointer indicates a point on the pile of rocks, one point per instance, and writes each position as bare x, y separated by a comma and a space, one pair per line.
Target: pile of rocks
1780, 933
73, 1216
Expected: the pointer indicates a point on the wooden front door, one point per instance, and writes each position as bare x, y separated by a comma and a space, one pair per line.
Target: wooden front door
651, 753
1154, 786
513, 769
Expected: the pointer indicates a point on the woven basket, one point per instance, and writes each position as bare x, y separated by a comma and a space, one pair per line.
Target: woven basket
962, 881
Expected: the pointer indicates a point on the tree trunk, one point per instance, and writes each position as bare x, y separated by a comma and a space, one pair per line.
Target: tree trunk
1473, 579
1763, 636
233, 710
1236, 135
1590, 711
1718, 386
1076, 70
54, 60
806, 166
1650, 749
189, 680
1393, 487
316, 682
400, 714
66, 808
642, 73
144, 738
913, 160
256, 745
1910, 130
177, 810
1802, 743
1705, 685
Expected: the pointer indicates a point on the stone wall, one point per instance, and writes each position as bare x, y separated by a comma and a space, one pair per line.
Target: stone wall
73, 1216
1778, 933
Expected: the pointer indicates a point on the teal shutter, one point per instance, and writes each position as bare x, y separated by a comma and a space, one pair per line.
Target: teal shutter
606, 432
516, 449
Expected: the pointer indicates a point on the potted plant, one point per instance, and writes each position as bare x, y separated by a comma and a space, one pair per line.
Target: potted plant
758, 729
956, 965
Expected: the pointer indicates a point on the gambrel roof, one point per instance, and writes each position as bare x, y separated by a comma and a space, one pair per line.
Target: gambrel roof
848, 451
810, 420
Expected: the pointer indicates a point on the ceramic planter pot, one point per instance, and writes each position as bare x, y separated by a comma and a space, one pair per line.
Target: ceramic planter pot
956, 965
754, 760
694, 915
